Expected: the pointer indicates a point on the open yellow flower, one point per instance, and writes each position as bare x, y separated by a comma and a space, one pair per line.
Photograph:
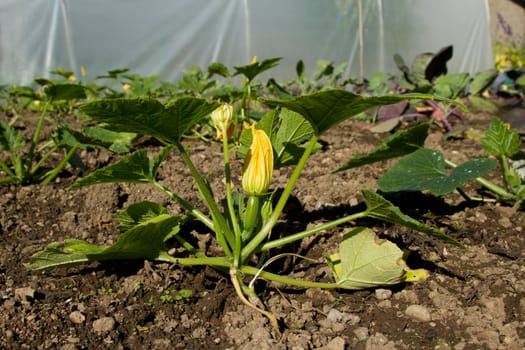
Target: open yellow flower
258, 167
222, 120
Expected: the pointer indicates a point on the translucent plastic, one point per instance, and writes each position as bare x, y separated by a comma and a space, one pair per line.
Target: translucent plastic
164, 37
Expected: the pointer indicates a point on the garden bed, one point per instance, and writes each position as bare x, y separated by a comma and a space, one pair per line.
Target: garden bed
473, 299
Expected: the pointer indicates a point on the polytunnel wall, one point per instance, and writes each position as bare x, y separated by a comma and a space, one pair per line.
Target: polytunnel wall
165, 37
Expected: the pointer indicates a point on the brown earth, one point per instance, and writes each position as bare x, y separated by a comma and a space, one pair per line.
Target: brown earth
474, 299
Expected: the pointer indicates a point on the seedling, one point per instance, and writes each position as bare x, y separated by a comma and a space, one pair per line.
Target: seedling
25, 166
428, 169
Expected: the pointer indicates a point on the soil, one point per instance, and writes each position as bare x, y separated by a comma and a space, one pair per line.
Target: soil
473, 299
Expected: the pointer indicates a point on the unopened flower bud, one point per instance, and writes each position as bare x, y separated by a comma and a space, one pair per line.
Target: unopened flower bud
222, 120
258, 167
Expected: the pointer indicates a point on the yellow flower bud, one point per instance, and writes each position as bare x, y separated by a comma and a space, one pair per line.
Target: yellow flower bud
258, 167
222, 119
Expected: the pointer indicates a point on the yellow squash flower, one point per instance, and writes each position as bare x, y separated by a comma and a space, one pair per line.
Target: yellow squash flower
258, 167
222, 119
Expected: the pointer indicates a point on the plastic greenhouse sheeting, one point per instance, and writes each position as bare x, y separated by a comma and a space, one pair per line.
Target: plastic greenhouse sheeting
165, 37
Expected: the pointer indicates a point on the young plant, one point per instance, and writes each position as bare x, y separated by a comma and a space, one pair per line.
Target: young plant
427, 169
243, 223
25, 164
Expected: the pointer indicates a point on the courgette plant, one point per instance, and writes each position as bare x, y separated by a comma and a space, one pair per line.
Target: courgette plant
243, 222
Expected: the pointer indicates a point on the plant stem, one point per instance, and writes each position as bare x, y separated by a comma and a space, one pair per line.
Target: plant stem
250, 270
272, 220
186, 205
251, 216
42, 160
229, 200
6, 168
36, 136
220, 227
487, 184
203, 260
300, 235
54, 173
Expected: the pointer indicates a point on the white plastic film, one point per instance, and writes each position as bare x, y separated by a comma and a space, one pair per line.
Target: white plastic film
164, 37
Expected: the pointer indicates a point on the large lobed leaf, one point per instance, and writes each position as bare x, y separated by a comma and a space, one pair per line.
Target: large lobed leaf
150, 117
11, 139
328, 108
250, 71
382, 209
425, 170
288, 132
365, 261
134, 168
402, 142
143, 241
65, 91
500, 140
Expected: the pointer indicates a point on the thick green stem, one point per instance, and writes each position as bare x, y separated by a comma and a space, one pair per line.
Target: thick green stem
42, 160
272, 220
307, 233
229, 200
186, 205
251, 217
487, 184
203, 260
6, 168
54, 173
250, 270
221, 229
36, 136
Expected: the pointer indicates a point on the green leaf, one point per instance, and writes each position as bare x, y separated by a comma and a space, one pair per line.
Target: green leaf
150, 117
500, 140
113, 74
118, 142
218, 68
482, 80
402, 142
58, 92
365, 261
451, 85
288, 132
134, 168
328, 108
425, 170
144, 241
419, 67
299, 69
382, 209
250, 71
481, 104
71, 252
290, 137
95, 137
185, 113
137, 214
10, 138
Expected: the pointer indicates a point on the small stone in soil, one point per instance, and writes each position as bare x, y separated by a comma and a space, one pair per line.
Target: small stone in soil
77, 317
383, 294
418, 313
103, 325
361, 333
25, 294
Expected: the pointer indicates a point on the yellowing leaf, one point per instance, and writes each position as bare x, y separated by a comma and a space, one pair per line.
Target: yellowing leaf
364, 261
